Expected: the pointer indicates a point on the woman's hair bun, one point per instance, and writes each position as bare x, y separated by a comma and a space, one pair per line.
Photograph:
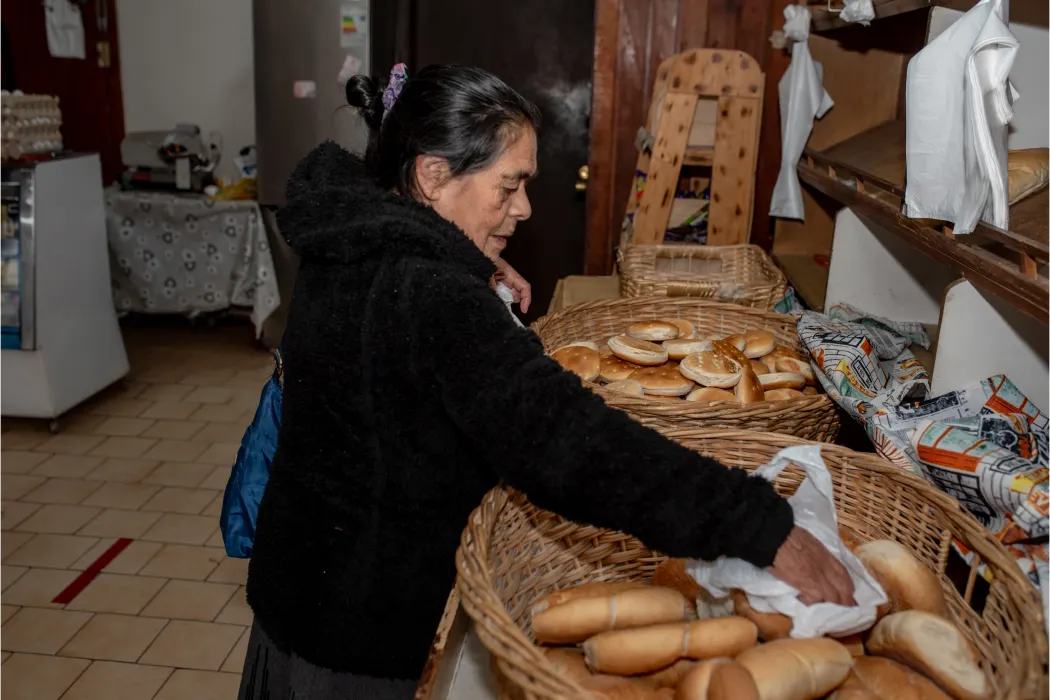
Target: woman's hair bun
366, 94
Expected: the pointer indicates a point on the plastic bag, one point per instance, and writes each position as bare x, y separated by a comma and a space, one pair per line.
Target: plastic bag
802, 99
958, 109
814, 507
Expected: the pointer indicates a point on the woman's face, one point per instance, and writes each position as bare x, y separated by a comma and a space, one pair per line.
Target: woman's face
489, 203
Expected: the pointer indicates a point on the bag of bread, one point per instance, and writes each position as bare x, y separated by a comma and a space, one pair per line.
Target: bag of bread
814, 507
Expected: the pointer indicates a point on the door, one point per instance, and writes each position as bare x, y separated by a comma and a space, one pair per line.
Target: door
545, 50
88, 89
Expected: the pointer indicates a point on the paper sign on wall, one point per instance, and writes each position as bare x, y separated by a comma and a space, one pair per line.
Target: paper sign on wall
352, 65
353, 25
304, 89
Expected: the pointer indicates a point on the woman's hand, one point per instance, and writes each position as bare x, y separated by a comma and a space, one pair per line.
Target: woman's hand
804, 563
516, 283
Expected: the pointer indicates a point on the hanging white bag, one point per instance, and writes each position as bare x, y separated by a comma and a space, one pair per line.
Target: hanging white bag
802, 99
958, 109
813, 504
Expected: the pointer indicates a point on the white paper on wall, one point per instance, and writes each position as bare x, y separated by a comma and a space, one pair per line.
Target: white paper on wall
958, 108
802, 99
65, 29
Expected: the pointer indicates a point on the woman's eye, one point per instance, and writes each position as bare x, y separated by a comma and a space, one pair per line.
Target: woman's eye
507, 192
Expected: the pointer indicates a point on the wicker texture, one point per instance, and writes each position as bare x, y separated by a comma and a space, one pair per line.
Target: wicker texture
513, 553
739, 274
809, 417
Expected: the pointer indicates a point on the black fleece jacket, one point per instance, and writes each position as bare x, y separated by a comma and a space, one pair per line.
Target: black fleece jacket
408, 393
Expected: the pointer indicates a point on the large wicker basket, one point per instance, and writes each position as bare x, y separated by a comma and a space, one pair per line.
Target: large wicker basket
809, 417
513, 553
739, 274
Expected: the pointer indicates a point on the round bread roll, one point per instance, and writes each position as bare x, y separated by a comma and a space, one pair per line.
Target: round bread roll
710, 394
888, 680
568, 662
909, 584
711, 369
686, 329
672, 574
779, 395
758, 366
604, 351
934, 647
749, 388
737, 340
797, 669
596, 589
657, 397
724, 347
640, 352
781, 351
580, 360
680, 347
652, 330
770, 625
580, 344
782, 380
613, 369
790, 364
576, 620
758, 343
717, 679
810, 391
627, 387
632, 652
664, 380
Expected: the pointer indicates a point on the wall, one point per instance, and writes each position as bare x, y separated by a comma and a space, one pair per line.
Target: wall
189, 61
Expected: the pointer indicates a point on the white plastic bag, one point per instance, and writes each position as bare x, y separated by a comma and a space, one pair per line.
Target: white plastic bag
860, 11
802, 99
814, 507
958, 109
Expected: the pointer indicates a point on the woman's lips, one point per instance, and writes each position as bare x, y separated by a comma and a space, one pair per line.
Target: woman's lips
499, 241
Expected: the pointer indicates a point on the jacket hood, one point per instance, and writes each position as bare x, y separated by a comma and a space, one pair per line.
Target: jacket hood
335, 211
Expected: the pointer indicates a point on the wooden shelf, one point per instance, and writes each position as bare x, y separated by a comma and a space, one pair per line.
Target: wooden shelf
807, 276
824, 20
866, 173
699, 155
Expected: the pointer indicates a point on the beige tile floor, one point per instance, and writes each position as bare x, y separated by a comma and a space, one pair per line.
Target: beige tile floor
146, 460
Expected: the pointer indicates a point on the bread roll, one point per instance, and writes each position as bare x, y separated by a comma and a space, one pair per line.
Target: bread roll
672, 574
934, 647
749, 388
909, 584
671, 676
616, 688
781, 351
711, 369
580, 360
640, 352
613, 369
717, 679
652, 330
737, 340
604, 351
595, 589
888, 680
656, 397
709, 394
627, 387
779, 395
1026, 172
792, 365
810, 391
680, 347
576, 620
770, 625
727, 349
686, 329
664, 380
782, 380
758, 367
568, 662
849, 537
758, 343
797, 669
636, 651
853, 642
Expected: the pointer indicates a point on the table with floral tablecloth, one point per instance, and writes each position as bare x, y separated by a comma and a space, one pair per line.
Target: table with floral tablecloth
188, 254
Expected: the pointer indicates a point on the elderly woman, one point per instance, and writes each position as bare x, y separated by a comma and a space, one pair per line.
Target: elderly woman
410, 391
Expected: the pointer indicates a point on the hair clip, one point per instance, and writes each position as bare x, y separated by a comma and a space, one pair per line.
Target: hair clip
398, 76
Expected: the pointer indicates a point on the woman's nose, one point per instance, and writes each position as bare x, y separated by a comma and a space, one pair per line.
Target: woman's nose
520, 207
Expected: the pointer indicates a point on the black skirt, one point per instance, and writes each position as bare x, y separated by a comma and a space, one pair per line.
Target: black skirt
270, 674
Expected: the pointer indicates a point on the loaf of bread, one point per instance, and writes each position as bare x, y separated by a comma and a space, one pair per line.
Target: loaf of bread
672, 574
576, 620
1026, 172
639, 651
717, 679
909, 584
934, 647
568, 662
770, 625
888, 680
596, 589
797, 669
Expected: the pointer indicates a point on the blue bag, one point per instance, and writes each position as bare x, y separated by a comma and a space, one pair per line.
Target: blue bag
251, 471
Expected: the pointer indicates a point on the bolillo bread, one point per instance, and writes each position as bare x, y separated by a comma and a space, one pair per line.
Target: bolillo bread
633, 652
797, 669
908, 583
888, 680
717, 679
616, 688
568, 662
595, 589
934, 647
576, 620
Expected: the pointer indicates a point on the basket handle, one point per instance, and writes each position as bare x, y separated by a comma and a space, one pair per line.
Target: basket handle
726, 291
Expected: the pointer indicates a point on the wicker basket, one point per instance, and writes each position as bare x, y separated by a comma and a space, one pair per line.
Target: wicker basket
739, 274
513, 553
809, 417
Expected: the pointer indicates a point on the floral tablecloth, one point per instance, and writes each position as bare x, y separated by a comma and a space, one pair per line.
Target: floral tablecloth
185, 254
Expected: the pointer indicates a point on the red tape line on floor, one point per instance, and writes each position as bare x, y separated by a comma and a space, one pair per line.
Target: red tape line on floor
81, 582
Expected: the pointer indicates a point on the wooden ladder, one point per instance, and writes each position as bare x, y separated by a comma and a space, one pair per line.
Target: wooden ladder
707, 111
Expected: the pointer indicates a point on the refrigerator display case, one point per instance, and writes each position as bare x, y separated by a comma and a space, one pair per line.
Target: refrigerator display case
16, 261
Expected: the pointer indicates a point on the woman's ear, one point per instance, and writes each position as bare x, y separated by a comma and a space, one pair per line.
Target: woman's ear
432, 173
